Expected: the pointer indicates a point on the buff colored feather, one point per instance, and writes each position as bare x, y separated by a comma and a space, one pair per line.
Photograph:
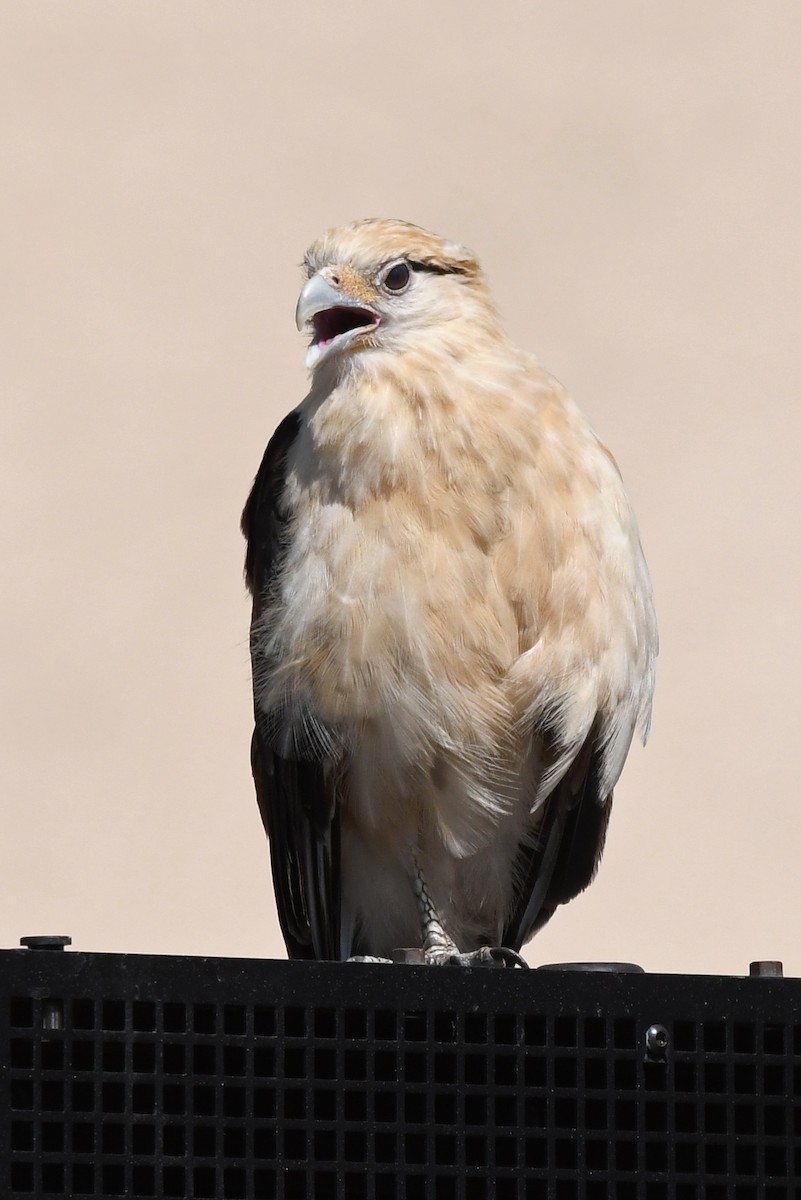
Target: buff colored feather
462, 598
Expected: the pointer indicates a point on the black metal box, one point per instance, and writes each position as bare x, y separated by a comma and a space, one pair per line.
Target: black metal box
141, 1076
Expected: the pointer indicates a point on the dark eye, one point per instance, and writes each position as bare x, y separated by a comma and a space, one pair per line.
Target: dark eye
397, 277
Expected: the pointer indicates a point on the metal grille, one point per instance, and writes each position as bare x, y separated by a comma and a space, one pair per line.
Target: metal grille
141, 1077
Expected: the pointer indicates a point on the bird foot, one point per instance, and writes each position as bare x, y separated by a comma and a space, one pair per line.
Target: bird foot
439, 948
485, 956
451, 956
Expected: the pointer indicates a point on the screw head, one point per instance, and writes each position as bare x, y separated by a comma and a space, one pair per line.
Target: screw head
46, 941
656, 1041
766, 969
411, 955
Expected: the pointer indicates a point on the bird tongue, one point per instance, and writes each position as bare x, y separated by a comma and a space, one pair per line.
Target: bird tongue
329, 323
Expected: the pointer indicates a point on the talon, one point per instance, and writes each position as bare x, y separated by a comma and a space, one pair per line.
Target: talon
485, 956
502, 956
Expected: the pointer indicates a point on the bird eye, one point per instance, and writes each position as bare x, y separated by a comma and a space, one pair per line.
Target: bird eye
397, 277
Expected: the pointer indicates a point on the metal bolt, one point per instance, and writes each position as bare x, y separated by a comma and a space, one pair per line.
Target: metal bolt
46, 941
52, 1015
766, 969
408, 954
656, 1042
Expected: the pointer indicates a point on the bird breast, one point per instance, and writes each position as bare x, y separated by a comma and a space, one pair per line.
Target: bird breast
454, 573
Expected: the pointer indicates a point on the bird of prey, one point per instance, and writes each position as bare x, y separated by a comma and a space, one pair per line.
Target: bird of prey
453, 634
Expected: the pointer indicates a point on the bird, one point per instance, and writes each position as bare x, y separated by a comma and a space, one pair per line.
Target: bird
453, 634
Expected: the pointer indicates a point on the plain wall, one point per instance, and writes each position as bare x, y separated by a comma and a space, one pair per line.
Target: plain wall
630, 177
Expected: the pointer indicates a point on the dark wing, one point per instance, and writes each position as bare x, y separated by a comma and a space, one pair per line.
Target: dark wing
295, 799
570, 841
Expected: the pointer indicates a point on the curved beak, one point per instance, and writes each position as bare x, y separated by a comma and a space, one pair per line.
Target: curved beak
317, 296
336, 319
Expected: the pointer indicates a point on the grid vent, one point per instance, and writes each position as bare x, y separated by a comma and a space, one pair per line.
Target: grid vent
284, 1080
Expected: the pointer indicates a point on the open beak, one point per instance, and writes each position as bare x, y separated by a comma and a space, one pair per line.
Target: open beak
334, 318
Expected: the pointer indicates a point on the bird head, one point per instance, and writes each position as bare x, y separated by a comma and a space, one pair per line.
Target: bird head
384, 285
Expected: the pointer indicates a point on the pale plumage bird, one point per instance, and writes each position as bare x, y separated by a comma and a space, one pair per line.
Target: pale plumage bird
453, 634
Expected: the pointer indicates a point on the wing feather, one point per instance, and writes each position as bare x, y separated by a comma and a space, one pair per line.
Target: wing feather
570, 840
296, 797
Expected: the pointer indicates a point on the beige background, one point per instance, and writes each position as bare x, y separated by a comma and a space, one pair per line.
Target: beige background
630, 175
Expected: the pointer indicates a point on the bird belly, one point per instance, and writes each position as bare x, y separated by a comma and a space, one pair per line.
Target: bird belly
389, 647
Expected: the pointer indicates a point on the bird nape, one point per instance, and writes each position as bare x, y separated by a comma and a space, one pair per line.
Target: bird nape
453, 635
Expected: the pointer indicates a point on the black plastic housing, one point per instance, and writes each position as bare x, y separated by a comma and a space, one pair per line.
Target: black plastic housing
143, 1076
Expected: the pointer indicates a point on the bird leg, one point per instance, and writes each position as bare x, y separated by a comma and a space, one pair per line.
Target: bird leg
437, 946
440, 949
